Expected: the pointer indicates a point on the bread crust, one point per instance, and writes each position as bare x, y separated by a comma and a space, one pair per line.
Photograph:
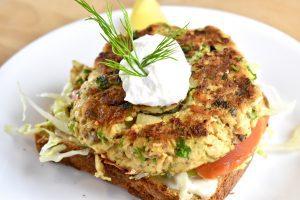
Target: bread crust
144, 188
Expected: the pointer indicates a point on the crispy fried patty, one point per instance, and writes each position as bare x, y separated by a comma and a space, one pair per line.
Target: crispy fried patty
219, 111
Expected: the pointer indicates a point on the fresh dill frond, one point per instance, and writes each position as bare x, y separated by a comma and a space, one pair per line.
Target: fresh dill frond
123, 46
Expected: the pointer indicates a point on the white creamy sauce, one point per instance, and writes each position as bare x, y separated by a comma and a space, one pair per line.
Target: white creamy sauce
188, 186
167, 81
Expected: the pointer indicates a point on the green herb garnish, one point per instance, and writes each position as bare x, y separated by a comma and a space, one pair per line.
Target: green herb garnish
199, 54
135, 35
71, 126
101, 137
252, 73
235, 68
138, 151
86, 71
187, 48
154, 160
123, 45
192, 173
102, 82
225, 76
253, 115
79, 81
121, 142
182, 150
126, 105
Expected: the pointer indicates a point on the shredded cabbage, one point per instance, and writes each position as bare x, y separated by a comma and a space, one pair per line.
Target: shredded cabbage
23, 102
261, 152
8, 129
64, 94
50, 95
61, 125
277, 104
53, 140
139, 176
27, 129
54, 154
51, 151
100, 172
254, 67
59, 109
62, 101
292, 144
68, 88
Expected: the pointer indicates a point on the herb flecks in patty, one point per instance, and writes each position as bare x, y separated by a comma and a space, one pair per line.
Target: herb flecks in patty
182, 150
235, 68
187, 135
101, 137
102, 82
138, 152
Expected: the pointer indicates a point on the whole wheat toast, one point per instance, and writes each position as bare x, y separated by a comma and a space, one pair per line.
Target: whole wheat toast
144, 188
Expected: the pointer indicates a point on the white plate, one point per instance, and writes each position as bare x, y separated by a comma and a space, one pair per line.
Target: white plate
44, 66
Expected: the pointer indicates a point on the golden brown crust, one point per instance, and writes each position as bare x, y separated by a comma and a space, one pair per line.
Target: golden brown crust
217, 88
175, 128
144, 188
220, 109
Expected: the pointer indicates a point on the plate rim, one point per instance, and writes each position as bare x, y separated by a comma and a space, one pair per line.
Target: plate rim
37, 40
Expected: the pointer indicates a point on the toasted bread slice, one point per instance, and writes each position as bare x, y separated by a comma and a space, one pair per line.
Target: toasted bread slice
144, 188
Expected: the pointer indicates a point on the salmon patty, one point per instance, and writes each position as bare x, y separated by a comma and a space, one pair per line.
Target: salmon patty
222, 106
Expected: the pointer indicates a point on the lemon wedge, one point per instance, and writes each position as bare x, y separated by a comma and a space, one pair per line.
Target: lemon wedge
145, 13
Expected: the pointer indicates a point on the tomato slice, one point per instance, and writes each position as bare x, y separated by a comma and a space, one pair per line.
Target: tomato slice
236, 157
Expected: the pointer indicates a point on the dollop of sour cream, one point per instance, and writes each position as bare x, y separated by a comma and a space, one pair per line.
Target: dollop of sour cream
188, 186
167, 81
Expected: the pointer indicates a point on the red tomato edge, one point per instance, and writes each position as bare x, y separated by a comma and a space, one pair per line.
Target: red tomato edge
236, 157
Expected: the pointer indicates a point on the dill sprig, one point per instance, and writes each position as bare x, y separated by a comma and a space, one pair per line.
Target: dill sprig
123, 46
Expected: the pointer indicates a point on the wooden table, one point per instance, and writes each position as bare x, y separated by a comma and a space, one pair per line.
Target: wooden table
22, 21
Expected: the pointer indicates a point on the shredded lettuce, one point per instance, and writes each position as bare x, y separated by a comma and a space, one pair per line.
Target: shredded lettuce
100, 172
59, 109
254, 68
51, 151
8, 129
139, 176
27, 129
62, 101
261, 152
292, 144
23, 102
50, 95
54, 154
68, 88
277, 104
53, 140
60, 124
